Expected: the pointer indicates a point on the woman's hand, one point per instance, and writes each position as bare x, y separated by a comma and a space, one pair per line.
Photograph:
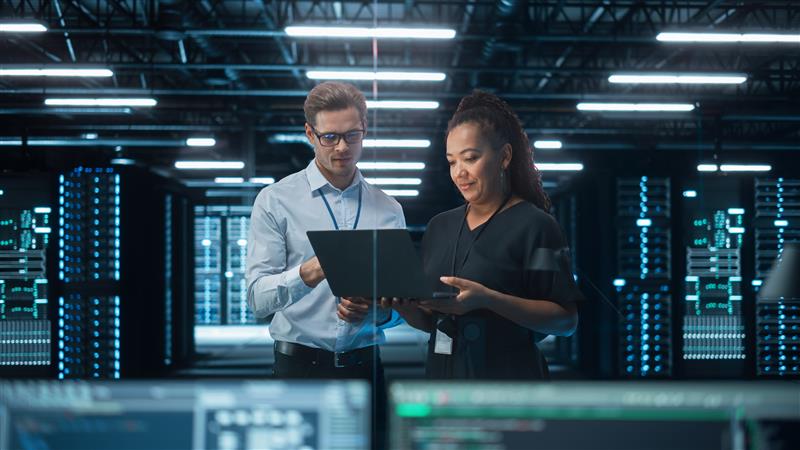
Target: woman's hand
471, 296
410, 309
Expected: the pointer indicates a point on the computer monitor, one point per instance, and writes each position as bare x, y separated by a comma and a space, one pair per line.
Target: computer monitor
619, 416
175, 415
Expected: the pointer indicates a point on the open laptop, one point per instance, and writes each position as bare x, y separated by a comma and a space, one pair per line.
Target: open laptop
352, 258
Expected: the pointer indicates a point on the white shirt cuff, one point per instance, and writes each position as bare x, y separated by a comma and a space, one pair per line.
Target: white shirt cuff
295, 284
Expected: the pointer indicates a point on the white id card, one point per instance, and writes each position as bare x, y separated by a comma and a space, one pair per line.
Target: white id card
443, 344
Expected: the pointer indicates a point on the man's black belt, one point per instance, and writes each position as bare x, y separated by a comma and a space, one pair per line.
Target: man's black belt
318, 356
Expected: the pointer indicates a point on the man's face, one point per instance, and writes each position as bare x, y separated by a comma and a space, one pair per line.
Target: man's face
337, 160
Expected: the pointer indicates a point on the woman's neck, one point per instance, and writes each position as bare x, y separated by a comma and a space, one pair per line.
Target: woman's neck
486, 208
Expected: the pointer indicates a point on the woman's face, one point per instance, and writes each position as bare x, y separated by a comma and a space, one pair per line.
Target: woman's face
474, 166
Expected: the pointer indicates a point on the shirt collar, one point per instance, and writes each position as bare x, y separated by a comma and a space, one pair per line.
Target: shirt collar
316, 180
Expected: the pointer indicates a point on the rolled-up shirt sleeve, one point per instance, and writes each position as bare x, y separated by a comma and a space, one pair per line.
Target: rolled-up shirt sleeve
271, 285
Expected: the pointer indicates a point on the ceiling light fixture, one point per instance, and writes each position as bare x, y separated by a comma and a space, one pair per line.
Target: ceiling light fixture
636, 107
559, 167
22, 27
401, 104
229, 180
707, 168
262, 180
401, 192
384, 165
31, 72
364, 75
745, 167
717, 38
362, 32
396, 143
659, 78
141, 102
201, 165
547, 144
201, 142
394, 181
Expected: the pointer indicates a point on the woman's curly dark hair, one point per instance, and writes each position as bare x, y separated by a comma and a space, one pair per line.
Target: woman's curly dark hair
500, 126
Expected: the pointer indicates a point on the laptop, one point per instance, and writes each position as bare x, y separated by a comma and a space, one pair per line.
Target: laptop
352, 258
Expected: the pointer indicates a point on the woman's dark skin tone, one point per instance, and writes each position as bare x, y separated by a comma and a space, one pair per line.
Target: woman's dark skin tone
475, 170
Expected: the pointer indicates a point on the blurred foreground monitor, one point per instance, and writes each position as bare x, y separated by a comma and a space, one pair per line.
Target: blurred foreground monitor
183, 415
619, 416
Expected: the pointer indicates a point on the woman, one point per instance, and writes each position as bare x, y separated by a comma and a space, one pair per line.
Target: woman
501, 254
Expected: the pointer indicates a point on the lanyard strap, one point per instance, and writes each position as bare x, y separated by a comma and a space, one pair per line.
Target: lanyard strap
475, 239
330, 211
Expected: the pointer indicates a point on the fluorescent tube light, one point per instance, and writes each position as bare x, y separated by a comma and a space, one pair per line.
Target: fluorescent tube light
148, 102
547, 144
678, 78
201, 142
401, 104
396, 143
707, 168
549, 167
262, 180
22, 27
229, 180
42, 210
690, 194
209, 165
644, 222
729, 37
401, 192
636, 107
288, 138
781, 223
372, 76
745, 167
96, 73
394, 181
122, 162
736, 211
360, 32
371, 165
619, 282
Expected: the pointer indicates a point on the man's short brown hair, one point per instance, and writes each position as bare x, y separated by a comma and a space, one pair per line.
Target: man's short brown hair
334, 96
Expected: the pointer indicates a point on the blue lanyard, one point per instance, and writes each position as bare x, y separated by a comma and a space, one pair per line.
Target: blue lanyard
330, 211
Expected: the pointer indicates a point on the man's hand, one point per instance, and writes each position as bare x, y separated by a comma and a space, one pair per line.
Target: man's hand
353, 309
311, 272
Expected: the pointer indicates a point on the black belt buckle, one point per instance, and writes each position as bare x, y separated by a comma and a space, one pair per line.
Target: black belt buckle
344, 359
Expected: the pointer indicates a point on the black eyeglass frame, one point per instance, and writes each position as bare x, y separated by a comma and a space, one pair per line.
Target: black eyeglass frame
339, 136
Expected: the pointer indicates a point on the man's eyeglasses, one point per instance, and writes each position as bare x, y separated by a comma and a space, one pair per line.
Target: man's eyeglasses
332, 139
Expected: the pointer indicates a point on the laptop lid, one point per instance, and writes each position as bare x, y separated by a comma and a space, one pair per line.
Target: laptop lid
363, 263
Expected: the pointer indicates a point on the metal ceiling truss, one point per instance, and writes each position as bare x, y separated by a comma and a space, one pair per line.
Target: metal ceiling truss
226, 67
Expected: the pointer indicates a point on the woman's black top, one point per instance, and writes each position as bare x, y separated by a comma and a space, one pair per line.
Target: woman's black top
522, 252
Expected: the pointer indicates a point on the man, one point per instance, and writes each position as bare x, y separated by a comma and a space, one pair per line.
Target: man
316, 334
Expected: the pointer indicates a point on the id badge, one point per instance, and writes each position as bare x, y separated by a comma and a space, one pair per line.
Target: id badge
443, 344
